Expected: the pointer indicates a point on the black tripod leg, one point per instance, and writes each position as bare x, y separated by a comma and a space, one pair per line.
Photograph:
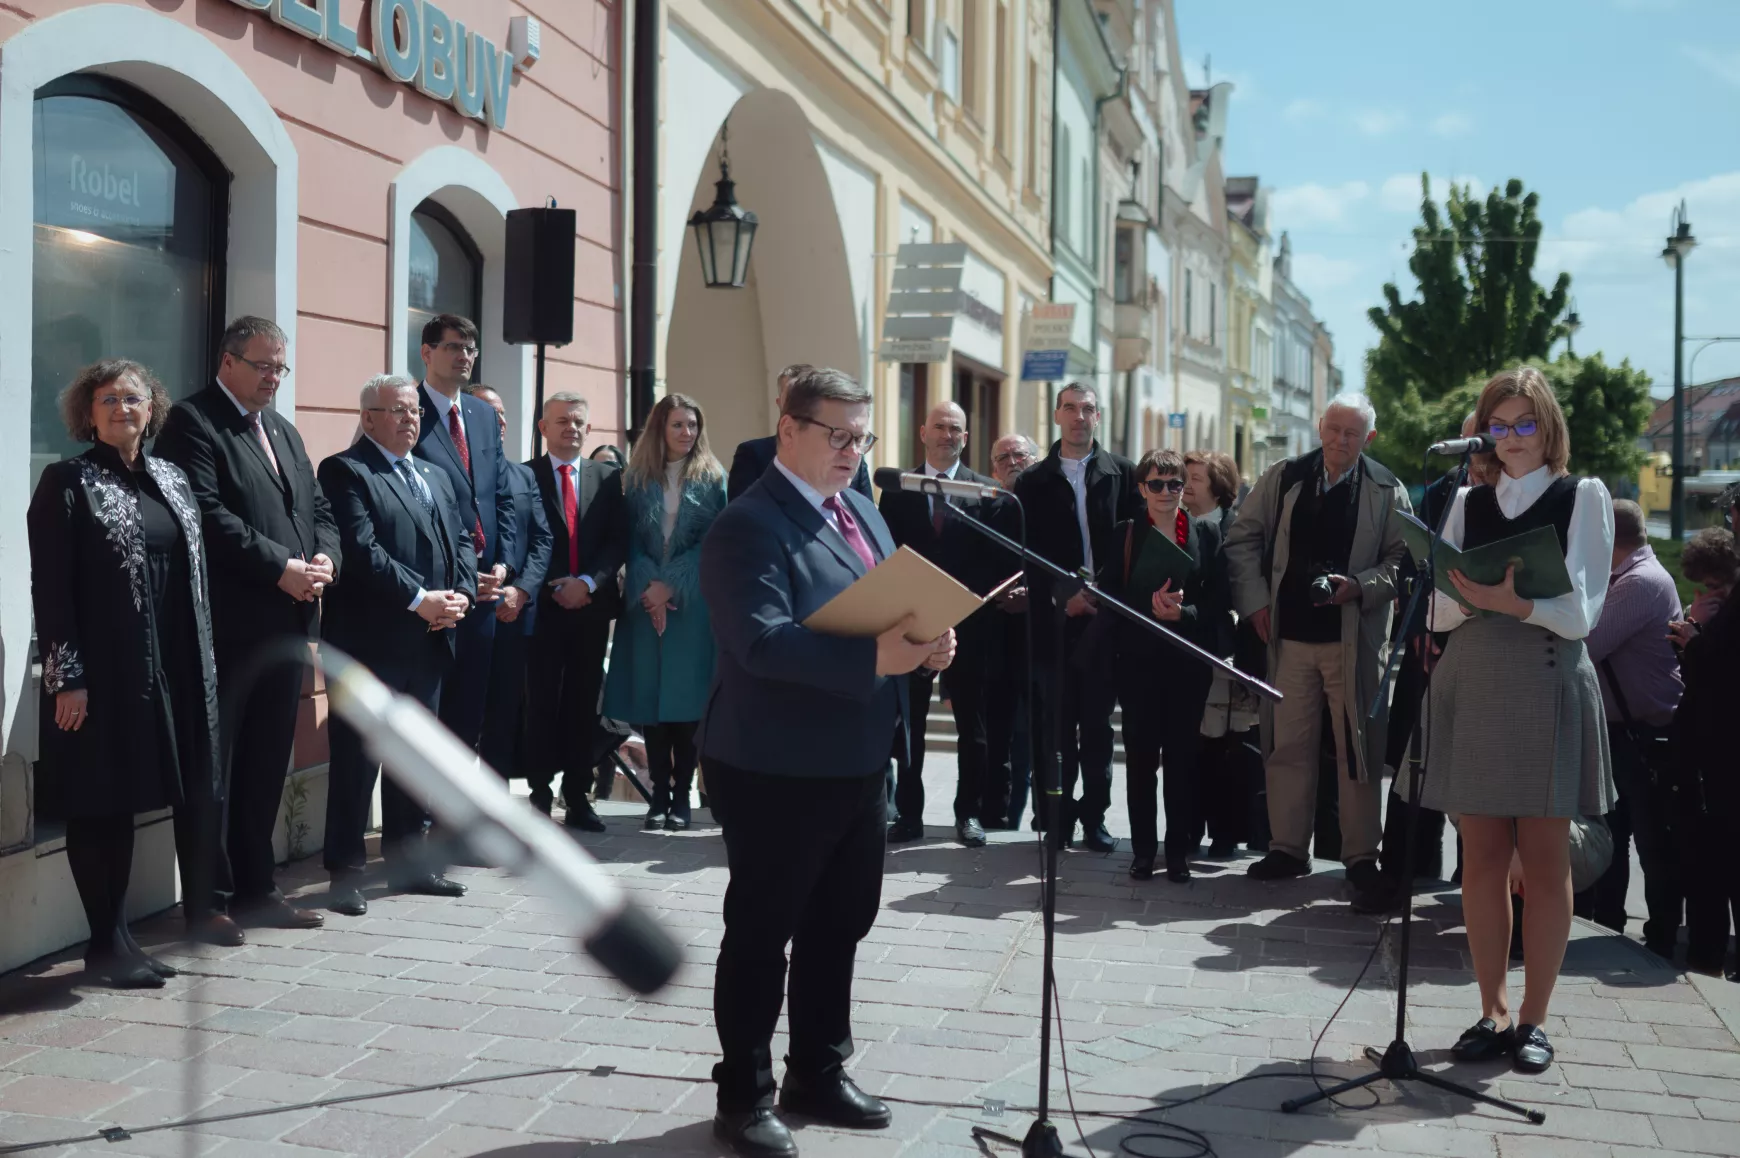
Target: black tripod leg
1450, 1087
1294, 1105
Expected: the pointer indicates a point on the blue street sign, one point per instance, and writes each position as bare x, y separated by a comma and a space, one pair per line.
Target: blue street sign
1175, 420
1044, 365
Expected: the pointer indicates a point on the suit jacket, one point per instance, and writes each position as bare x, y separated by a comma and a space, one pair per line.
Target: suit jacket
1205, 617
602, 533
756, 455
486, 494
531, 544
391, 548
786, 700
1053, 530
965, 554
255, 519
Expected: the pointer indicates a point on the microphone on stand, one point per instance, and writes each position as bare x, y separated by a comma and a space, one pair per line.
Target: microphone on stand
891, 478
1474, 444
471, 800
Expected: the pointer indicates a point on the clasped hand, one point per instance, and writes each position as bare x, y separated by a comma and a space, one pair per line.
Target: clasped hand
1499, 597
898, 655
304, 580
442, 609
1168, 604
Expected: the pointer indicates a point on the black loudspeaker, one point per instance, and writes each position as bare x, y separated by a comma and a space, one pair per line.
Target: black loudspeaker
538, 290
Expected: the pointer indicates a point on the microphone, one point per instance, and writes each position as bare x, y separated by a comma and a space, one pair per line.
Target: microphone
891, 478
1476, 444
471, 799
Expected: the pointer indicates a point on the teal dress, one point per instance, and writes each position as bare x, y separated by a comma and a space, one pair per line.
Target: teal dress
657, 679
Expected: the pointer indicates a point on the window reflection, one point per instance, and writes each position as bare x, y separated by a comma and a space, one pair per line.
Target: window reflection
446, 277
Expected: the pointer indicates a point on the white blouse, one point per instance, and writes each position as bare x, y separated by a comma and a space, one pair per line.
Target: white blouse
1588, 554
673, 496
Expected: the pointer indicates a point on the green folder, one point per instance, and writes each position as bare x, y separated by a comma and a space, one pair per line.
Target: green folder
1540, 562
1158, 559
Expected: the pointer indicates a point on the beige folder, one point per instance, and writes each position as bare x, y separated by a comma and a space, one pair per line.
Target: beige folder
905, 583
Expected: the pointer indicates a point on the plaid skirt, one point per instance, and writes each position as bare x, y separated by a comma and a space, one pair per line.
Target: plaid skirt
1515, 725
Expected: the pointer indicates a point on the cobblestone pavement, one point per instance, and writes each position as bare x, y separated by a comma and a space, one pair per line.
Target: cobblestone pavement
1165, 990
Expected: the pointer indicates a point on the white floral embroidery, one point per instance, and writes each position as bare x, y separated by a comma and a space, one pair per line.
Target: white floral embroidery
170, 482
62, 663
116, 507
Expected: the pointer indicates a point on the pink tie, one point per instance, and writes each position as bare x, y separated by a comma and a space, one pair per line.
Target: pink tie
849, 530
265, 442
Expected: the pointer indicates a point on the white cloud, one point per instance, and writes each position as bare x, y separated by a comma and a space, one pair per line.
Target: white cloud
1401, 193
1318, 272
1314, 204
1303, 109
1378, 122
1453, 125
1723, 64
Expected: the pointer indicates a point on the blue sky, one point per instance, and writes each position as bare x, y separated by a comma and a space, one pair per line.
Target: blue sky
1613, 110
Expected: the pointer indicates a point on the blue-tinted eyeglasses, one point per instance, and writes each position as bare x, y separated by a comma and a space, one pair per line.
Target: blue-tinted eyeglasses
1523, 429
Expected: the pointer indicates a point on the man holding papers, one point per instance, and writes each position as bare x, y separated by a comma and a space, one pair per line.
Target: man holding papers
795, 746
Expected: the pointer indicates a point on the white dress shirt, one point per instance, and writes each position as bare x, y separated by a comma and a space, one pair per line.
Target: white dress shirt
556, 465
932, 472
441, 402
1588, 554
1075, 470
811, 495
393, 462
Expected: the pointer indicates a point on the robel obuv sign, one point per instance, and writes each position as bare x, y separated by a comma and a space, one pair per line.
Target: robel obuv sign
415, 43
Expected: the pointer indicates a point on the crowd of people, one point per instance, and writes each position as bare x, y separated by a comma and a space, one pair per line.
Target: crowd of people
530, 604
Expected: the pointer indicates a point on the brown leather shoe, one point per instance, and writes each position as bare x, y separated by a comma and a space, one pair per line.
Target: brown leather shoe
216, 929
278, 913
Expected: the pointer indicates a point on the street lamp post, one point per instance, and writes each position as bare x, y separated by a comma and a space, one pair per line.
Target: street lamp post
1573, 323
1680, 242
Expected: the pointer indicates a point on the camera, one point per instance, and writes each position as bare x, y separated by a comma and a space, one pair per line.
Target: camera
1322, 590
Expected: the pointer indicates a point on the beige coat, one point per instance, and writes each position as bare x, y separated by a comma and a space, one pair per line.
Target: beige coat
1378, 549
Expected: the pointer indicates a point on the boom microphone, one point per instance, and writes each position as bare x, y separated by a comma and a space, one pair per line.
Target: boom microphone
1475, 444
891, 478
471, 800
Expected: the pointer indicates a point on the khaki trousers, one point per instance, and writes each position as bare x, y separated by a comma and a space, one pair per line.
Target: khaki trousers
1308, 675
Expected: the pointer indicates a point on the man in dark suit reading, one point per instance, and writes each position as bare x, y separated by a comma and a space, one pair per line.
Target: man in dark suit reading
410, 577
755, 455
795, 746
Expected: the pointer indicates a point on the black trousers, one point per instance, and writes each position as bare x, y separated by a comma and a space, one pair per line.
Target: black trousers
351, 781
1401, 744
1711, 870
465, 691
99, 853
805, 855
503, 745
1642, 812
199, 828
1008, 748
965, 689
1085, 746
670, 764
909, 761
564, 676
259, 735
1163, 728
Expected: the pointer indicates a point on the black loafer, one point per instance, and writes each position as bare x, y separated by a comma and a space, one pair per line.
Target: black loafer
1278, 866
1142, 868
654, 821
429, 885
345, 898
834, 1099
1097, 839
756, 1133
970, 833
904, 830
583, 818
1484, 1042
1533, 1052
1178, 872
1222, 849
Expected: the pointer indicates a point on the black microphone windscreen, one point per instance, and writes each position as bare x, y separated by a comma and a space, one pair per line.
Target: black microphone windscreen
887, 477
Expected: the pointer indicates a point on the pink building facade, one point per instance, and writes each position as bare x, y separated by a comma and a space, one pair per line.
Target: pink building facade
341, 166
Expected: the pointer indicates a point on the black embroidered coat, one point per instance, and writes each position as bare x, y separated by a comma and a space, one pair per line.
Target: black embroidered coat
96, 629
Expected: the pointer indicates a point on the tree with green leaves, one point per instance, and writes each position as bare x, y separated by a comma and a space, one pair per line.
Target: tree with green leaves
1479, 309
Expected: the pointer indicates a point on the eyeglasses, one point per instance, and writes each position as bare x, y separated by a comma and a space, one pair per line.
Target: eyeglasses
266, 369
1160, 486
840, 438
458, 348
395, 411
124, 401
1524, 429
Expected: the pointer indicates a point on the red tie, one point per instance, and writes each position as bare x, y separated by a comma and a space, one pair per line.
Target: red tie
938, 514
849, 530
570, 511
457, 429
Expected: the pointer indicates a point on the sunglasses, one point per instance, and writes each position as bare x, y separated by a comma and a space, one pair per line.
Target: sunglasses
1159, 486
1523, 429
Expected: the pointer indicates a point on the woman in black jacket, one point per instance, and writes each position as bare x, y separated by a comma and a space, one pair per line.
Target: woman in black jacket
1162, 691
129, 689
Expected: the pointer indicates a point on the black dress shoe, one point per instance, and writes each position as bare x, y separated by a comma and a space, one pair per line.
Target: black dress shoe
1178, 871
904, 830
677, 820
834, 1099
756, 1133
216, 929
654, 821
428, 885
1097, 839
1142, 868
1484, 1042
543, 800
1364, 876
1221, 849
970, 833
1278, 866
583, 817
346, 898
1534, 1053
277, 913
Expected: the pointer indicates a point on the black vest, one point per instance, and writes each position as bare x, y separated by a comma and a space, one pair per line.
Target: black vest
1483, 522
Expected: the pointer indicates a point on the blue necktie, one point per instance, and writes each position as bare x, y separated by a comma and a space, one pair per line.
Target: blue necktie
419, 490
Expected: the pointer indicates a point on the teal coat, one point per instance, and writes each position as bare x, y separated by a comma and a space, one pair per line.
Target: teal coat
654, 679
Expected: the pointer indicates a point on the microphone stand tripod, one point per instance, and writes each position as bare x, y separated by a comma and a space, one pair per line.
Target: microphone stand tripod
1041, 1140
1398, 1063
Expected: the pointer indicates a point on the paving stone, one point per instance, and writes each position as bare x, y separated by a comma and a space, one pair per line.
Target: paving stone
63, 1095
330, 1030
1697, 1136
361, 1132
313, 1059
254, 1021
425, 1012
326, 1002
74, 1063
1640, 1103
1702, 1062
1611, 1078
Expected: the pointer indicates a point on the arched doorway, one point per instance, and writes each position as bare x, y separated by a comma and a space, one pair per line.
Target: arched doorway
724, 346
446, 277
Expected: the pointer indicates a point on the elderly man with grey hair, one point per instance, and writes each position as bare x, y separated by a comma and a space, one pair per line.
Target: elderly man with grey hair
1313, 559
410, 577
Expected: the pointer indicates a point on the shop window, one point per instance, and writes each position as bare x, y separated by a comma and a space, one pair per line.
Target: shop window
914, 406
128, 247
446, 278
